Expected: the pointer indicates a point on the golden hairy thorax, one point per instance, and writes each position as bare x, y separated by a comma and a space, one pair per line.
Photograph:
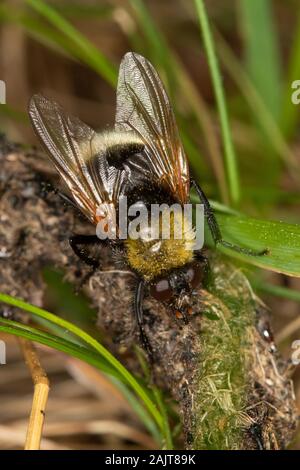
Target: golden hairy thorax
152, 258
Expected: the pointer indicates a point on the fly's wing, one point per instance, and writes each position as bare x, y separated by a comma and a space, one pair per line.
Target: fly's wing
75, 151
144, 108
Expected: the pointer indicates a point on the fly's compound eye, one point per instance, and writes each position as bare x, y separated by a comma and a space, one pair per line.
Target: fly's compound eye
161, 290
194, 275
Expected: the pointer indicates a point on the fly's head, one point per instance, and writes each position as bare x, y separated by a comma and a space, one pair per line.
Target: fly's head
176, 288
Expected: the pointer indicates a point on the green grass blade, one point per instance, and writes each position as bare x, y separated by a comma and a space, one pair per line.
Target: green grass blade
8, 112
41, 32
58, 343
76, 349
159, 49
278, 291
268, 124
138, 408
164, 56
86, 51
281, 239
166, 427
55, 342
84, 354
206, 123
230, 157
95, 345
217, 206
262, 52
83, 11
290, 112
168, 441
68, 304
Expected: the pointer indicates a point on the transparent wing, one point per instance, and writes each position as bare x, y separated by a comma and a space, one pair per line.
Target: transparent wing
75, 151
143, 107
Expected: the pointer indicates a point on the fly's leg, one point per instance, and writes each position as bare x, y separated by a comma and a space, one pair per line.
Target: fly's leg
203, 261
255, 431
67, 199
46, 187
77, 243
215, 229
138, 311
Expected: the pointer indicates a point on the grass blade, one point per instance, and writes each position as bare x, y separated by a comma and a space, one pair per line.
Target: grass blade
262, 52
167, 60
55, 342
81, 10
255, 102
230, 157
281, 239
290, 112
159, 48
85, 50
84, 354
95, 345
278, 291
138, 408
168, 444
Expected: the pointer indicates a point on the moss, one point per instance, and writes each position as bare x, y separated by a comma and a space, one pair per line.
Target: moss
222, 382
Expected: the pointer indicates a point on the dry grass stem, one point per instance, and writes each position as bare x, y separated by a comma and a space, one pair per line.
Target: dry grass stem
40, 396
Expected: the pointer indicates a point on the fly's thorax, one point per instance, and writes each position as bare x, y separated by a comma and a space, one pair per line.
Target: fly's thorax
114, 146
151, 257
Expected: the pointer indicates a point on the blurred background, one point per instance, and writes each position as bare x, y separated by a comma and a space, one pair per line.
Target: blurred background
70, 51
